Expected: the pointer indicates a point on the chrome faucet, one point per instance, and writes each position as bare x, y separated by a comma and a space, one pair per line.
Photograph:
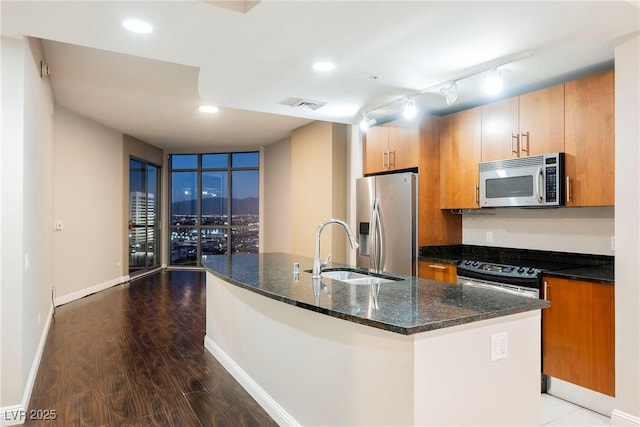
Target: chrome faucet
319, 265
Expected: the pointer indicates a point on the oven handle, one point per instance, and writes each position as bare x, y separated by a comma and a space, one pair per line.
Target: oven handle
496, 287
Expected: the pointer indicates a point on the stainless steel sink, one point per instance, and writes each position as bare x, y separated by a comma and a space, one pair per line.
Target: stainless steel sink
357, 278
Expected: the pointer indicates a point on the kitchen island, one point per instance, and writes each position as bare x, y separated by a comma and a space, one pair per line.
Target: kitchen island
409, 352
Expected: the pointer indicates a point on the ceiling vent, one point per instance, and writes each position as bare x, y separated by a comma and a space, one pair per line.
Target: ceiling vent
300, 103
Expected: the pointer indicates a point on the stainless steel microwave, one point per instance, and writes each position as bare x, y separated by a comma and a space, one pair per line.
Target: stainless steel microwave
525, 181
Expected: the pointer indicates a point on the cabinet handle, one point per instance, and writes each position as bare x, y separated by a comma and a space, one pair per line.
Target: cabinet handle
385, 159
437, 267
392, 164
525, 134
546, 290
568, 190
476, 192
515, 137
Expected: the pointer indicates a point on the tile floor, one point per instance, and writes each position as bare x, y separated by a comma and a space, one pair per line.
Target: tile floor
558, 412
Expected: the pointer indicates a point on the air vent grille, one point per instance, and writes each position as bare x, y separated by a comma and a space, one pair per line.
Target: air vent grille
512, 163
304, 103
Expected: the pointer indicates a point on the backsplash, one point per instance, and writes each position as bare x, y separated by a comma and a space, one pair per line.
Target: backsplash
579, 230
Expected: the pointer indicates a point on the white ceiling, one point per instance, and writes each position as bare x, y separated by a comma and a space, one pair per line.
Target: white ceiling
149, 86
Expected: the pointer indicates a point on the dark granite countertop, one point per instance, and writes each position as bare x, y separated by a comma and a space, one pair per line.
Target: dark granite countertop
407, 307
596, 268
591, 273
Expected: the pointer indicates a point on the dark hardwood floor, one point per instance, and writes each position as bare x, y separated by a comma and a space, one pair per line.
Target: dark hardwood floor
133, 355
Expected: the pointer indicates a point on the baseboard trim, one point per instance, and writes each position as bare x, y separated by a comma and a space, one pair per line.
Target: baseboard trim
143, 274
15, 414
277, 412
581, 396
619, 418
65, 299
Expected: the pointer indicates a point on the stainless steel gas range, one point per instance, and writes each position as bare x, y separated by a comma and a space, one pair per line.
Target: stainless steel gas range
514, 279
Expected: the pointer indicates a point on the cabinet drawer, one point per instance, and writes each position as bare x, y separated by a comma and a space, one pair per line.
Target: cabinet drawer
440, 271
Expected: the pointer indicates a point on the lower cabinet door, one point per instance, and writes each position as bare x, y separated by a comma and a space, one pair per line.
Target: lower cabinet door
578, 333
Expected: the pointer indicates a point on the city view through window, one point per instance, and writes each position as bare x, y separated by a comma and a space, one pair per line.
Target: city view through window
213, 206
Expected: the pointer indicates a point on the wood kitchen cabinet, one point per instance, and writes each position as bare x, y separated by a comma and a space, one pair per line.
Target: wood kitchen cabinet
526, 125
589, 140
440, 271
391, 146
460, 139
578, 333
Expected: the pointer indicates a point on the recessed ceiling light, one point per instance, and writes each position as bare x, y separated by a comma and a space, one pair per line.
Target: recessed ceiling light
137, 26
324, 66
208, 109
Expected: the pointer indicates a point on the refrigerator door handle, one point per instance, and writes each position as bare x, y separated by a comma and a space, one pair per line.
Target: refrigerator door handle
373, 235
377, 237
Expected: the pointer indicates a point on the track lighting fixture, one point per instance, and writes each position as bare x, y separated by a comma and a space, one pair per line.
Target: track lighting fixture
450, 92
449, 88
410, 110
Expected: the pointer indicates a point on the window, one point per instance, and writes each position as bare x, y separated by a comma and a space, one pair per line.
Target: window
213, 206
144, 225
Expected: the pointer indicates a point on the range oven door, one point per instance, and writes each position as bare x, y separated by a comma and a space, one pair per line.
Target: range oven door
523, 291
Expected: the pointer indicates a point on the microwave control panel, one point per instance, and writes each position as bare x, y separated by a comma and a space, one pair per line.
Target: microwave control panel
551, 184
551, 190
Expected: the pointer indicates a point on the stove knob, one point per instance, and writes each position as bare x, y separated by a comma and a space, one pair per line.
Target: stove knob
467, 262
520, 269
531, 270
476, 263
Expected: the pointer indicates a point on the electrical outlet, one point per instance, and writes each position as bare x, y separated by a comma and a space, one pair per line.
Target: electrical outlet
499, 346
27, 262
489, 236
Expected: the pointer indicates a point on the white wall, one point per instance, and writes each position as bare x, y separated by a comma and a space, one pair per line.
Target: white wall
88, 200
627, 291
277, 197
11, 387
26, 272
318, 187
580, 230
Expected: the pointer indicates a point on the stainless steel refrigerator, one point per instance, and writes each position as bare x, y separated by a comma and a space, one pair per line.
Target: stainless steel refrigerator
386, 221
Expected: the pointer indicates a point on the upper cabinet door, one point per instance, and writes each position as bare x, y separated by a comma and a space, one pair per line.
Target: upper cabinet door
542, 121
376, 152
527, 125
459, 157
589, 140
404, 144
500, 136
392, 146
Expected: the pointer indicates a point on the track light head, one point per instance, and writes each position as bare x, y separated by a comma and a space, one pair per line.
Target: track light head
410, 110
493, 82
366, 123
450, 93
